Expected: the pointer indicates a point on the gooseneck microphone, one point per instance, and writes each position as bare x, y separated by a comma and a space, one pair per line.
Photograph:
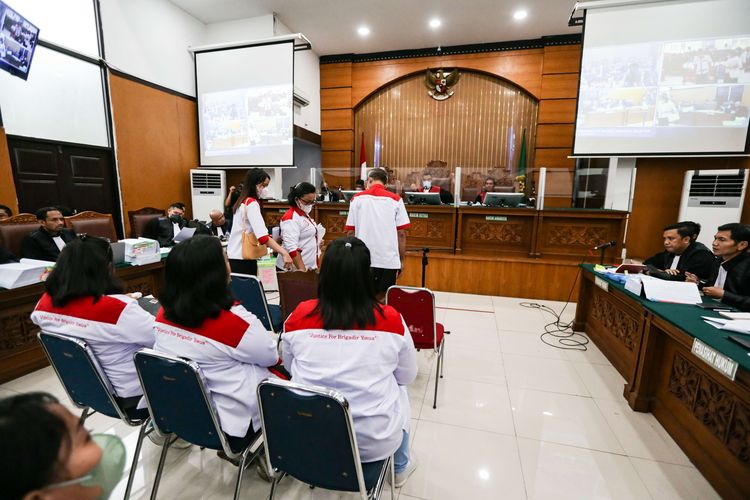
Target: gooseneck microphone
605, 245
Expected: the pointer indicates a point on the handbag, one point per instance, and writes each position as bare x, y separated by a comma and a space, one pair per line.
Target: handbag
251, 247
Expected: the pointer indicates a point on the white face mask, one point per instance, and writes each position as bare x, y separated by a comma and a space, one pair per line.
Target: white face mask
427, 184
305, 208
262, 192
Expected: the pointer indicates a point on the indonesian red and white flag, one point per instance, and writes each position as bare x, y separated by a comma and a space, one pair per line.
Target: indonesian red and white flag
362, 160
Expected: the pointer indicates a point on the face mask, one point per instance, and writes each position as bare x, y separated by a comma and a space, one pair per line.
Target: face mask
107, 472
262, 192
427, 184
175, 218
305, 208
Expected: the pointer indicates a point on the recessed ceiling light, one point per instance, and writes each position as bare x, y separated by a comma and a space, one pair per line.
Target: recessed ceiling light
520, 15
435, 23
363, 31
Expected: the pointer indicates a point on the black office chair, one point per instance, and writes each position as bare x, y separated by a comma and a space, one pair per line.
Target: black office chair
309, 434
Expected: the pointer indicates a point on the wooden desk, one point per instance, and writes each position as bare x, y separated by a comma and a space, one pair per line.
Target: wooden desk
432, 226
20, 352
496, 231
706, 413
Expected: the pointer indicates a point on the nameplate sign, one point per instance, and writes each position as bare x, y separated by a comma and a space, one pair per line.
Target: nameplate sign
344, 212
283, 210
419, 215
716, 360
601, 283
496, 218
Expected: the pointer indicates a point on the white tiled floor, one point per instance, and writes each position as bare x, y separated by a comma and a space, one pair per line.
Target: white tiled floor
515, 419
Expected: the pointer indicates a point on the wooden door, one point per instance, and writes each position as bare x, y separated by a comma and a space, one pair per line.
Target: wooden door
76, 177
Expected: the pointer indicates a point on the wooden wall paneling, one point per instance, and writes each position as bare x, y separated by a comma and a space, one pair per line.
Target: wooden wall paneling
557, 111
335, 75
554, 158
554, 136
562, 59
337, 140
337, 119
523, 68
572, 233
338, 168
154, 159
562, 86
338, 98
7, 186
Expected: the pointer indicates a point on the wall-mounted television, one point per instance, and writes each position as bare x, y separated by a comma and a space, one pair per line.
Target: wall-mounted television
18, 39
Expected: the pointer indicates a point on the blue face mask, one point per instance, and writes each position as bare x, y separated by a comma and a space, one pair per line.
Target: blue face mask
107, 472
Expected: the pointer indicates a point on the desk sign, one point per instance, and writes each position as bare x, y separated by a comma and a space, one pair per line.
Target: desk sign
283, 210
418, 215
716, 360
601, 283
344, 213
496, 218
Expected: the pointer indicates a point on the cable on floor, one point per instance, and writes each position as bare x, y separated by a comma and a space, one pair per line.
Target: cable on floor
560, 335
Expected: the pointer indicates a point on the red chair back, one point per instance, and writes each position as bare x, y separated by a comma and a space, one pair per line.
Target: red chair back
417, 306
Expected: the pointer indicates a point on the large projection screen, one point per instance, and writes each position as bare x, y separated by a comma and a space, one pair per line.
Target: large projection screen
245, 105
669, 78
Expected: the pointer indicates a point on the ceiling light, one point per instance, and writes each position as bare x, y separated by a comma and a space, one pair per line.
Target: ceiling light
435, 23
363, 31
520, 15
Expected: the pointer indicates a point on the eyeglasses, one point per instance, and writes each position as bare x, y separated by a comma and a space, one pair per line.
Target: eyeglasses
308, 203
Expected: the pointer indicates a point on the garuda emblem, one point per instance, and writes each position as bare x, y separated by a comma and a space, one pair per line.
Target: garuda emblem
440, 83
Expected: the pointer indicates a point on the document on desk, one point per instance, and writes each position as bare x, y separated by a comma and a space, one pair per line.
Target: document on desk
732, 325
185, 234
676, 292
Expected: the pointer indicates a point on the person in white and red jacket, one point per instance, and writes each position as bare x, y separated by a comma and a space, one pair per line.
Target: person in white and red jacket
346, 340
300, 235
248, 218
200, 320
84, 299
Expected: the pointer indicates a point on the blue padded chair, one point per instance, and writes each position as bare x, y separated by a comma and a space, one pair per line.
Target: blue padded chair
88, 387
309, 434
180, 404
249, 291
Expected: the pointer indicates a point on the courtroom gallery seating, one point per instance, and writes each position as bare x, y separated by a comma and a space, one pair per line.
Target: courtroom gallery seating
14, 229
92, 223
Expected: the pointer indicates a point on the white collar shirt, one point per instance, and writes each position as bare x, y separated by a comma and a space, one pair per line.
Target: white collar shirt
299, 235
247, 218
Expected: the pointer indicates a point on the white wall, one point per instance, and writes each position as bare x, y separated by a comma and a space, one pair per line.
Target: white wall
150, 39
251, 28
306, 80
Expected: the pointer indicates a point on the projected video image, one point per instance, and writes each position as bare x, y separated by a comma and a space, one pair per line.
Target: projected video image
719, 60
629, 66
240, 122
18, 38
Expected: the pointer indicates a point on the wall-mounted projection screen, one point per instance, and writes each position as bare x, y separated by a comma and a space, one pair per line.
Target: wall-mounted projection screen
245, 105
665, 78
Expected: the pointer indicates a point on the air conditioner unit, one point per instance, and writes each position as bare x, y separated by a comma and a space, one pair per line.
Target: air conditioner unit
712, 198
208, 189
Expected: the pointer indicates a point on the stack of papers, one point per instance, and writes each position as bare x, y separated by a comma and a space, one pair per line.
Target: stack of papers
675, 292
26, 272
732, 325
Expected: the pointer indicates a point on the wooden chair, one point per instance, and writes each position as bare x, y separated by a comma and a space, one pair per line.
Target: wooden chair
92, 223
139, 220
14, 229
296, 287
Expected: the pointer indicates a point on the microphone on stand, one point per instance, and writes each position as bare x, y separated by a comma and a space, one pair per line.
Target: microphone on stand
605, 245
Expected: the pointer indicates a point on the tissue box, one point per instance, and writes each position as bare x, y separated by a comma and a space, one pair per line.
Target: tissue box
140, 250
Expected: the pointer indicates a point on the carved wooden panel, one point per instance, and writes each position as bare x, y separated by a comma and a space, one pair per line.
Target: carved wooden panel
579, 235
507, 232
334, 220
18, 332
718, 409
429, 228
619, 324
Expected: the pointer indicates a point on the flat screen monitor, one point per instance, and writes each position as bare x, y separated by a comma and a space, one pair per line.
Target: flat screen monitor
348, 194
503, 199
419, 198
18, 39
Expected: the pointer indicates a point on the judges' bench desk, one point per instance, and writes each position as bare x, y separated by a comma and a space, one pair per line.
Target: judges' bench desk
20, 352
650, 343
